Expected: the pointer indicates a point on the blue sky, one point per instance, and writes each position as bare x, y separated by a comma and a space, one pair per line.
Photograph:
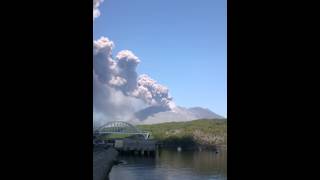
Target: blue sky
181, 43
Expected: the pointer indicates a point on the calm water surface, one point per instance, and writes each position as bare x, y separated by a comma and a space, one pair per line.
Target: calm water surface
173, 165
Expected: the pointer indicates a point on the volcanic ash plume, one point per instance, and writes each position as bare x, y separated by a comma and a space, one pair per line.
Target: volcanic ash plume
118, 91
152, 92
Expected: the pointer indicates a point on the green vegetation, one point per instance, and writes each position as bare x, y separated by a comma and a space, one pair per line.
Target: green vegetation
205, 132
115, 136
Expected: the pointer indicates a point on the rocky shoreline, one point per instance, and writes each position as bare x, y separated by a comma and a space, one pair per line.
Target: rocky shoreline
103, 161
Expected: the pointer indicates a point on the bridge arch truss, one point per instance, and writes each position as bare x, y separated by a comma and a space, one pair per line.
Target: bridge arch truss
120, 127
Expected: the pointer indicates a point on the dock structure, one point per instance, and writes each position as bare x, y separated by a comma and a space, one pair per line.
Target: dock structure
136, 146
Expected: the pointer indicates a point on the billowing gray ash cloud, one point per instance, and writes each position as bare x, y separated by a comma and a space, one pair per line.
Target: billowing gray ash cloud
118, 91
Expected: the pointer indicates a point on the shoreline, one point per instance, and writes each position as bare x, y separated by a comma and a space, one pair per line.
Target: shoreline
194, 147
103, 161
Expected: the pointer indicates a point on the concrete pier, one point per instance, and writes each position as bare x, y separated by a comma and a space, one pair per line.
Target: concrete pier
103, 160
136, 147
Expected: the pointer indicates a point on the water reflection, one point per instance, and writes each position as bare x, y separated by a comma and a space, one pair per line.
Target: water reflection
173, 165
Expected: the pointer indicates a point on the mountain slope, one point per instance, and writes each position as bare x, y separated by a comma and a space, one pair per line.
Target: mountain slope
202, 113
153, 115
205, 132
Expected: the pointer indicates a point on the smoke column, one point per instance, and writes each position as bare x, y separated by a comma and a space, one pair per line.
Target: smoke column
118, 91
